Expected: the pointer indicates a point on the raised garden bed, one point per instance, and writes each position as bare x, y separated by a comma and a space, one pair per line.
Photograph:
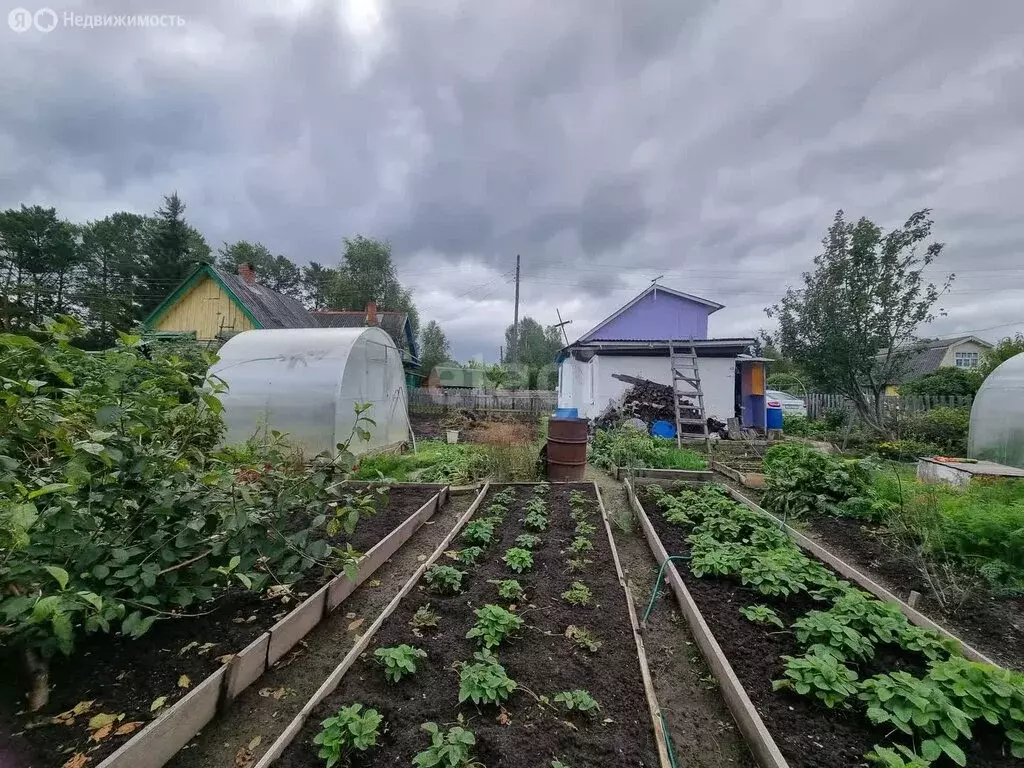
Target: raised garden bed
683, 475
165, 686
746, 473
781, 726
530, 726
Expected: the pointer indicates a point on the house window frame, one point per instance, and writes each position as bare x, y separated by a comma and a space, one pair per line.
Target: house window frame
966, 359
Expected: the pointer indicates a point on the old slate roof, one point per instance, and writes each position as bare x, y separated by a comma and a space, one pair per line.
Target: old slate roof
394, 323
270, 308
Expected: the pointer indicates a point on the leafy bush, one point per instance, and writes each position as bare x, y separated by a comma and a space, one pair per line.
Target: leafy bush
479, 532
469, 555
510, 589
579, 700
627, 446
578, 594
116, 508
398, 661
444, 579
800, 480
351, 730
493, 625
583, 637
905, 450
518, 560
916, 706
822, 674
761, 614
945, 381
452, 748
485, 681
528, 541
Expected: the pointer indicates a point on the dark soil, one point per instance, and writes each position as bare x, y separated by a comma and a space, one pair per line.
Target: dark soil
808, 735
121, 675
700, 725
541, 659
474, 426
995, 626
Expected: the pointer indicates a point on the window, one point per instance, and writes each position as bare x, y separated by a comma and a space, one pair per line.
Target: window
966, 359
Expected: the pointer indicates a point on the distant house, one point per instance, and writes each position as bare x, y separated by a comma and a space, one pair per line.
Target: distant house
396, 324
213, 305
456, 377
634, 340
930, 355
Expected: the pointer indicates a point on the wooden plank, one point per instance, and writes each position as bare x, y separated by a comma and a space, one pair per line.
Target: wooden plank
660, 737
851, 573
759, 740
331, 683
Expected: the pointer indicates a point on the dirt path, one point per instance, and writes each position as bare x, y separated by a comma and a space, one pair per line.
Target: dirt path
702, 730
269, 704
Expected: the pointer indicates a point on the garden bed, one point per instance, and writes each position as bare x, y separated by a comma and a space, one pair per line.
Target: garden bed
784, 728
748, 473
178, 673
529, 727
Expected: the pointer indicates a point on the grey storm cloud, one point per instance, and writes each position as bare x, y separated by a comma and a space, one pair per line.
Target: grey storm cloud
607, 142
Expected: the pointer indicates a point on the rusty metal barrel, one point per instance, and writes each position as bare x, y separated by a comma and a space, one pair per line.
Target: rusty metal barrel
567, 449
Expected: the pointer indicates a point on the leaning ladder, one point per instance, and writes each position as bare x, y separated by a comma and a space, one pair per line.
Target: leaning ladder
685, 373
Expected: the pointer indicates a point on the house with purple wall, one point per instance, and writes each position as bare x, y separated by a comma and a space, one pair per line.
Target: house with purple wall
634, 341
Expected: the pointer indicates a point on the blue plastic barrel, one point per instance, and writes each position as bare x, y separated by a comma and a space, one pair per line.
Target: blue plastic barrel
567, 413
773, 419
663, 429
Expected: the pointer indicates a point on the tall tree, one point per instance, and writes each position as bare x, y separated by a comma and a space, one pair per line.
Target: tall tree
434, 349
40, 256
367, 273
852, 325
1004, 349
535, 361
114, 254
276, 272
316, 285
174, 250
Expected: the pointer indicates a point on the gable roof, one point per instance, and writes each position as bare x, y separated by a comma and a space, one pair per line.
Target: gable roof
711, 305
396, 324
926, 356
265, 308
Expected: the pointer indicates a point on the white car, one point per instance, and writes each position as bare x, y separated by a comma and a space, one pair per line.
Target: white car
790, 404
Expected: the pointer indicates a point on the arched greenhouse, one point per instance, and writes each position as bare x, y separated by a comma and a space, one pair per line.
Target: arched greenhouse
306, 382
997, 416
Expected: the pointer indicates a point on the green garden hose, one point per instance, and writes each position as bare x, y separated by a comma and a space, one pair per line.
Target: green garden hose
668, 740
657, 584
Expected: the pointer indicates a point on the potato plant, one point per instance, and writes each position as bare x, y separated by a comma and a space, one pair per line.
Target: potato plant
399, 661
821, 673
352, 730
484, 681
424, 618
761, 614
578, 700
528, 541
578, 593
470, 555
444, 579
493, 625
478, 532
451, 748
510, 589
583, 637
518, 560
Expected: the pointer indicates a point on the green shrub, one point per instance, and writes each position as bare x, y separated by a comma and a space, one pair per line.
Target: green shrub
944, 427
627, 446
800, 480
905, 450
945, 381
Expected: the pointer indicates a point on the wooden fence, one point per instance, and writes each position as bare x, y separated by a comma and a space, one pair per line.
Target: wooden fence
818, 405
523, 400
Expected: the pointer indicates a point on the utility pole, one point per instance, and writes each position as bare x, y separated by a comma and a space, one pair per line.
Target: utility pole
561, 325
514, 352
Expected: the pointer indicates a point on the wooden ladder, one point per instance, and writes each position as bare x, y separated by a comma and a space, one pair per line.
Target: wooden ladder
686, 373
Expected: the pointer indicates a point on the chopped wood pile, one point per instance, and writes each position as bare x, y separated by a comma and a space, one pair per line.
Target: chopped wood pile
650, 401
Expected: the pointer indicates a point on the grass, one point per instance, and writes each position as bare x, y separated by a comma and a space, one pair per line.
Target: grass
461, 463
630, 447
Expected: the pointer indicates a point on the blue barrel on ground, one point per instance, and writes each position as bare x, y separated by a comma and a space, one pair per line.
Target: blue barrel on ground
663, 429
773, 417
567, 413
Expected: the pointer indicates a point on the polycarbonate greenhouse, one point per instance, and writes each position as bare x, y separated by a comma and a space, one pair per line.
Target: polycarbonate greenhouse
306, 382
997, 416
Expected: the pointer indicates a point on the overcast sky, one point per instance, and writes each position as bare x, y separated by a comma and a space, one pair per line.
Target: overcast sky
607, 141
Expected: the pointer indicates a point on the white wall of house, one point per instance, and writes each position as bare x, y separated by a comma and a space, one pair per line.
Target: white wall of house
589, 386
972, 353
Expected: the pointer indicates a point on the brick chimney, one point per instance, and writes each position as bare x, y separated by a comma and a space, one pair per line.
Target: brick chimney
371, 313
247, 273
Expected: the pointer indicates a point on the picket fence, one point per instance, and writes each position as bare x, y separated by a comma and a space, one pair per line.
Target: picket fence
818, 404
523, 400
